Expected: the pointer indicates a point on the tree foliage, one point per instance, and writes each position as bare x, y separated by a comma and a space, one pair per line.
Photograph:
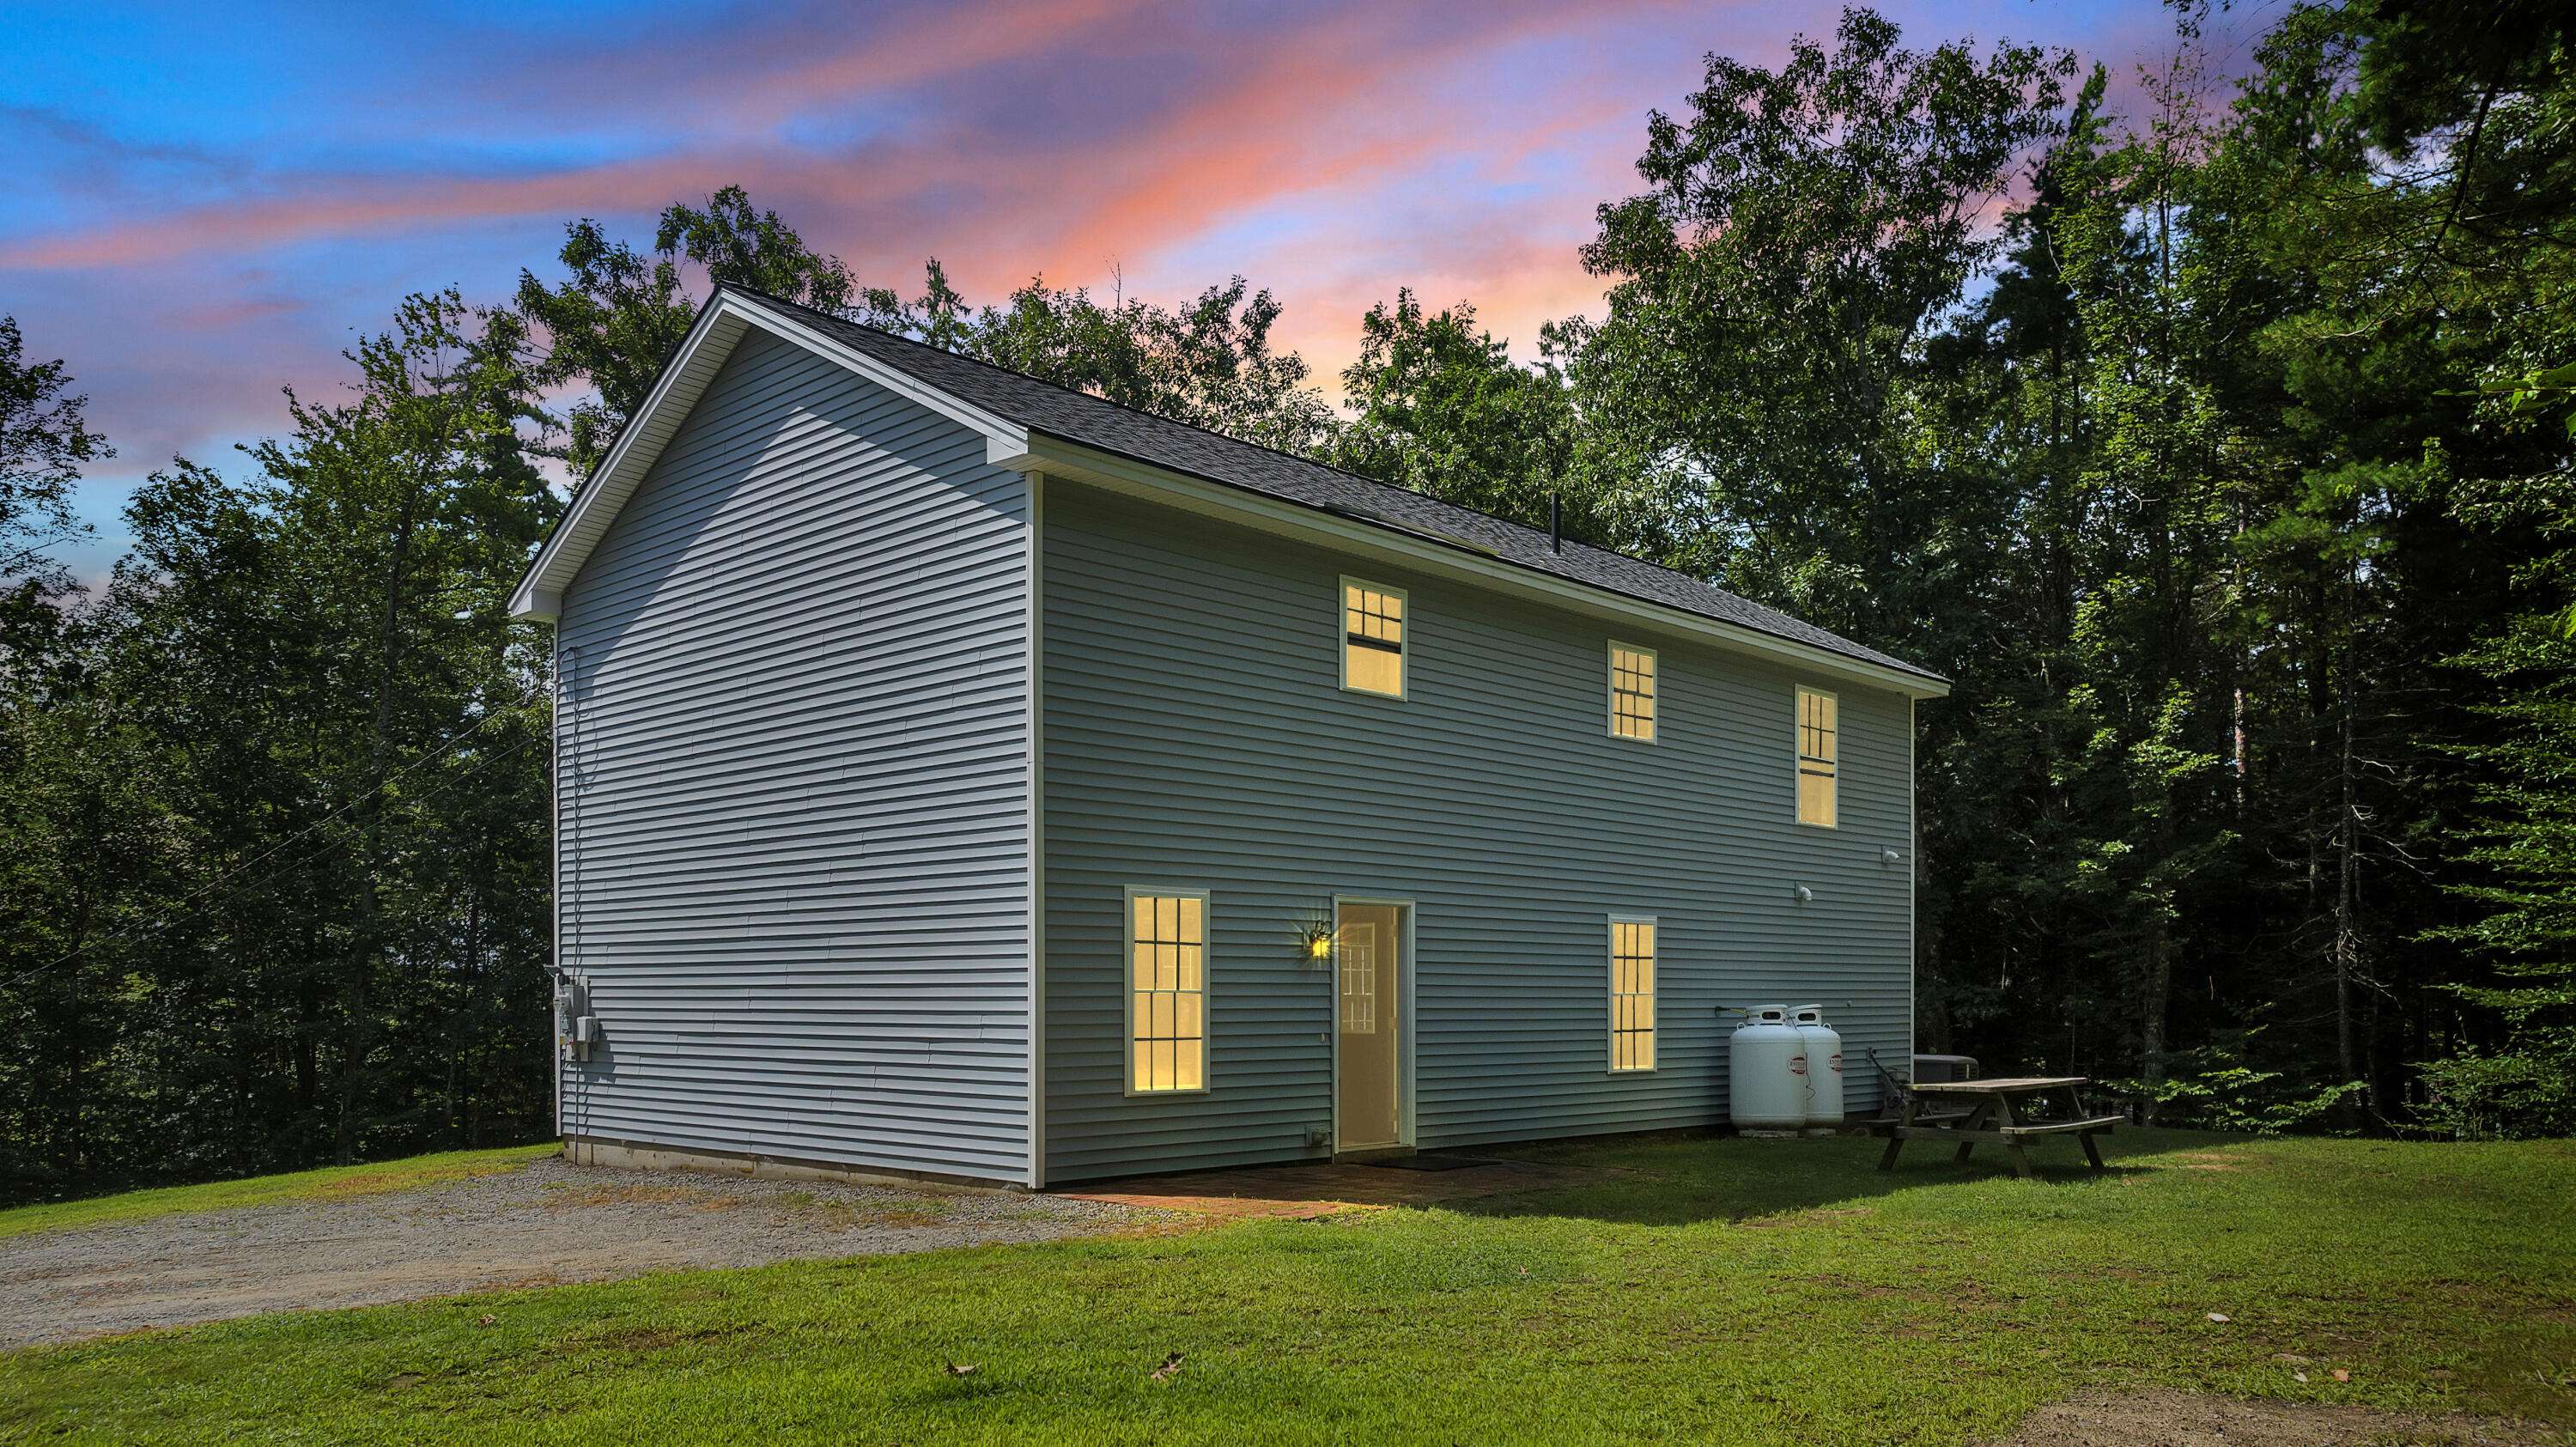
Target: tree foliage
1438, 405
618, 317
277, 865
44, 441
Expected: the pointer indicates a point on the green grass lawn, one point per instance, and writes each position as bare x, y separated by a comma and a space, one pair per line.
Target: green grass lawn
327, 1184
1698, 1290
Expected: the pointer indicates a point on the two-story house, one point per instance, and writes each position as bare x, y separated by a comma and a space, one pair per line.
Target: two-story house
964, 777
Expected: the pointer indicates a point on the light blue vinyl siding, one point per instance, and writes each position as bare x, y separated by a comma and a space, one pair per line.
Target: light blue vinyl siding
1195, 736
794, 797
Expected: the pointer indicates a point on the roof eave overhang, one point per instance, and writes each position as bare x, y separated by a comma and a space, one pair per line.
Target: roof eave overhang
720, 326
1060, 457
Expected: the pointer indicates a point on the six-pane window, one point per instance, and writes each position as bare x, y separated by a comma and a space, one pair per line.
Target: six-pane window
1372, 638
1632, 994
1632, 693
1167, 1001
1816, 754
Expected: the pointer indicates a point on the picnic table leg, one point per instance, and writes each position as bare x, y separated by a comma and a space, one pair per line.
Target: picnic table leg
1976, 1117
2020, 1153
2075, 1111
1896, 1137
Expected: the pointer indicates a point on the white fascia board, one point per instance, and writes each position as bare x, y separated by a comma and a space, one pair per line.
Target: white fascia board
719, 327
1058, 457
540, 591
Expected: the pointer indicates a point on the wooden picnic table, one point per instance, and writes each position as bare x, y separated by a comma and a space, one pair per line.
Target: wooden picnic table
1989, 1116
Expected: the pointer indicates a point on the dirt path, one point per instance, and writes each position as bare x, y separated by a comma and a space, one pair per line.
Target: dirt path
547, 1223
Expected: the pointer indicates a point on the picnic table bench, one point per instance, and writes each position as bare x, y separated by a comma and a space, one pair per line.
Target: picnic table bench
1989, 1116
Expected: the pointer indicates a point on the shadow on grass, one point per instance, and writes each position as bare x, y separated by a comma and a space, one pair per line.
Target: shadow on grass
1691, 1179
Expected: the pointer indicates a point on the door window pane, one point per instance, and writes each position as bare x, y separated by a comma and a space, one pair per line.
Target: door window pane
1358, 955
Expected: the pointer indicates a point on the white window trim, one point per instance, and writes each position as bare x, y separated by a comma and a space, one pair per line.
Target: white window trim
1610, 691
1798, 755
1610, 995
1127, 987
1342, 638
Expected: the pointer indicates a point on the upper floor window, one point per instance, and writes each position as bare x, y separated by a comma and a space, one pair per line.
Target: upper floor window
1167, 992
1372, 638
1632, 693
1817, 729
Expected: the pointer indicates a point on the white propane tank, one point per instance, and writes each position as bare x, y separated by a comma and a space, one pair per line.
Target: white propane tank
1824, 1047
1767, 1071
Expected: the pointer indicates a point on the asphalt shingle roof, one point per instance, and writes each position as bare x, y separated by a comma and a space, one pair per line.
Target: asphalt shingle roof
1141, 436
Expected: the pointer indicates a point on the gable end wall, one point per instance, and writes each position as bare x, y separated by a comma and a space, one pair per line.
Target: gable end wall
794, 797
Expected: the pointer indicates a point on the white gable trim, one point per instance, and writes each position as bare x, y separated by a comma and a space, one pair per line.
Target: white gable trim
712, 338
1058, 457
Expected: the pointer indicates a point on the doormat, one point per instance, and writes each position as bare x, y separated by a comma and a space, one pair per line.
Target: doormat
1432, 1163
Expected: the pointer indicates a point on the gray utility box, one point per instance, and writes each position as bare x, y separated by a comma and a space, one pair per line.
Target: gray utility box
1934, 1069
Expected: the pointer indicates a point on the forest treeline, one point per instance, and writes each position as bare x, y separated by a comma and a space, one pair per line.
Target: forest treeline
2216, 442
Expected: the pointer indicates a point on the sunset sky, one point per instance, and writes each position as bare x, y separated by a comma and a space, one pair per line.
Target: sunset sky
201, 210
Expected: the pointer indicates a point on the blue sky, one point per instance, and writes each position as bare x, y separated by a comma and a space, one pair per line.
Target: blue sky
207, 203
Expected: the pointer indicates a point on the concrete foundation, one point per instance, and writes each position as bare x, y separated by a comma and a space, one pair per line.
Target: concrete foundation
593, 1151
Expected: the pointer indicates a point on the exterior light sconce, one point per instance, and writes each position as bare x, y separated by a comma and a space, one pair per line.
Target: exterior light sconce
1315, 940
1806, 895
1890, 856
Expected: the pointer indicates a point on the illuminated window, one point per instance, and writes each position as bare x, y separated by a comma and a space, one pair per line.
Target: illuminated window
1816, 752
1372, 638
1632, 994
1167, 992
1632, 693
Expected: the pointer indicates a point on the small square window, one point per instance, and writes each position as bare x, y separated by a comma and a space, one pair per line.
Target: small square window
1373, 636
1632, 693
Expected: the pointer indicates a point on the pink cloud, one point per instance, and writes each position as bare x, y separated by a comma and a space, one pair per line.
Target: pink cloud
329, 206
922, 46
1254, 138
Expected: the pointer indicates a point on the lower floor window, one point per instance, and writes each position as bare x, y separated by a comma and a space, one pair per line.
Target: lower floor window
1632, 994
1167, 992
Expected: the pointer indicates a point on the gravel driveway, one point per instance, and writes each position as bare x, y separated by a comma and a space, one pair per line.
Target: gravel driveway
549, 1222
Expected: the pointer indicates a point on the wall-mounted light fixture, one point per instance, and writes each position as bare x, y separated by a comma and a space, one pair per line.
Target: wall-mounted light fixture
1890, 856
1315, 939
1806, 895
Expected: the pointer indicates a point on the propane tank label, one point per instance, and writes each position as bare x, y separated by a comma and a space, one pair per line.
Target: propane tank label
1834, 1063
1797, 1065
